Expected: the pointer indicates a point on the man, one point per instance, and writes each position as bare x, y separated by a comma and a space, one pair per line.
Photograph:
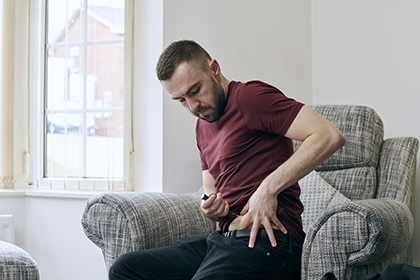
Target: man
250, 174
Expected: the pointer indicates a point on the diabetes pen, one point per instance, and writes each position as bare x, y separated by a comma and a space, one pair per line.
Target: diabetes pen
230, 213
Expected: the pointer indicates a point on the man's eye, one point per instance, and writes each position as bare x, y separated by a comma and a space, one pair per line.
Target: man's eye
194, 92
182, 100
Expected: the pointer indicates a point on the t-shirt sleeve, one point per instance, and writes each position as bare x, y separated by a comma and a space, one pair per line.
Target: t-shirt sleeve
204, 165
266, 108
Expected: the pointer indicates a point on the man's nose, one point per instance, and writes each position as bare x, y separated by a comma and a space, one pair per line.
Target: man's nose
193, 104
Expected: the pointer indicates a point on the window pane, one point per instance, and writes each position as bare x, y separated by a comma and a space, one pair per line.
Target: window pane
109, 79
62, 15
110, 17
84, 95
103, 157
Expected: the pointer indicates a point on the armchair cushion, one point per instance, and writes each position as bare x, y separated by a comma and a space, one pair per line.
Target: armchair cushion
356, 163
317, 195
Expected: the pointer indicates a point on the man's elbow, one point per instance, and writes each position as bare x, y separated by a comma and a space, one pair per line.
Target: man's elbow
337, 140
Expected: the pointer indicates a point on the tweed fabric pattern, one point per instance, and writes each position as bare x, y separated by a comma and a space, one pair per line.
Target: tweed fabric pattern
16, 263
354, 164
354, 183
317, 195
363, 129
354, 235
123, 222
392, 183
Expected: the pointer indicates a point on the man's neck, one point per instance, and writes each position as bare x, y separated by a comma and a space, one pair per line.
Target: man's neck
225, 85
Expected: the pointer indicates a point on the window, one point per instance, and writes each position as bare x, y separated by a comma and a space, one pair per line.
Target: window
83, 95
28, 106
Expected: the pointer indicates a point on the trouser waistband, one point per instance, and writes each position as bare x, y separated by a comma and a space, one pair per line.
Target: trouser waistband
280, 236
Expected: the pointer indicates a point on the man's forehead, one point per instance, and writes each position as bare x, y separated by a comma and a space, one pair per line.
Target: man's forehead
184, 77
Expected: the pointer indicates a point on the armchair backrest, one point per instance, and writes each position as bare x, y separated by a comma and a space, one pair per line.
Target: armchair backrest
367, 166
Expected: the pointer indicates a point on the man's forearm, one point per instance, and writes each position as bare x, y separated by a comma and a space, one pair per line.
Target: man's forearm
313, 151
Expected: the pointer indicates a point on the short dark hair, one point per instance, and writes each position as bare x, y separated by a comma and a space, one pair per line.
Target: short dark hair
177, 52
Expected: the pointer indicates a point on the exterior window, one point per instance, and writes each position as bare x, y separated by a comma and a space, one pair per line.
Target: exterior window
84, 93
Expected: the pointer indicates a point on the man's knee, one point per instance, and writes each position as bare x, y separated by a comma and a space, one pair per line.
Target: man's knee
114, 272
118, 270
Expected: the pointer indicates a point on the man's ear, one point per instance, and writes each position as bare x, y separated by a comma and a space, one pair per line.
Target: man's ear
215, 67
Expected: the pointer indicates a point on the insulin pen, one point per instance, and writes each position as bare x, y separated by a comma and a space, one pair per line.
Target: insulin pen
205, 197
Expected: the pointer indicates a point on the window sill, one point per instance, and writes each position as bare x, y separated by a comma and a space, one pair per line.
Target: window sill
60, 193
49, 193
4, 192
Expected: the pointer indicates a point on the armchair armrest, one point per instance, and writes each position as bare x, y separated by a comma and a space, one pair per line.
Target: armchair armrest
355, 233
121, 222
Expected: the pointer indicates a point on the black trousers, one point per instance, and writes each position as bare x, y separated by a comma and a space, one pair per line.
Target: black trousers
211, 257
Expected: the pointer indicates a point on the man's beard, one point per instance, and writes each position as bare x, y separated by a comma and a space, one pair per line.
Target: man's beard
213, 113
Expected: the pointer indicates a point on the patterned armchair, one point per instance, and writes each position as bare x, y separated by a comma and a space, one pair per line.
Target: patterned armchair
357, 206
16, 263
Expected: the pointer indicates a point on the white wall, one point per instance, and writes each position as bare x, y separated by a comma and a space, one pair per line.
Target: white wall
49, 229
368, 52
60, 247
266, 39
15, 205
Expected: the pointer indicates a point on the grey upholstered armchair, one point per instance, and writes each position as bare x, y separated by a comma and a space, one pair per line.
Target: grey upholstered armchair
357, 206
16, 263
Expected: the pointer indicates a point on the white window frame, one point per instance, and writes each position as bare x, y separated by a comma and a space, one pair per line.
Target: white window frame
36, 101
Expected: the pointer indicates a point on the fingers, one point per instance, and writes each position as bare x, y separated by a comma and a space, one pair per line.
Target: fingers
271, 236
245, 209
281, 227
253, 237
220, 205
215, 206
269, 224
254, 234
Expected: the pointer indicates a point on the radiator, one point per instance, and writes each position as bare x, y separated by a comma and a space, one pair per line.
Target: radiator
7, 228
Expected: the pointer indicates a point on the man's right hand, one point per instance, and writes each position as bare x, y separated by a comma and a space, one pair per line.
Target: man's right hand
214, 207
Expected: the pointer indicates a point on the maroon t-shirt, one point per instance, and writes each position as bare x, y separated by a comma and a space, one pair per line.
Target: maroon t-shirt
246, 144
